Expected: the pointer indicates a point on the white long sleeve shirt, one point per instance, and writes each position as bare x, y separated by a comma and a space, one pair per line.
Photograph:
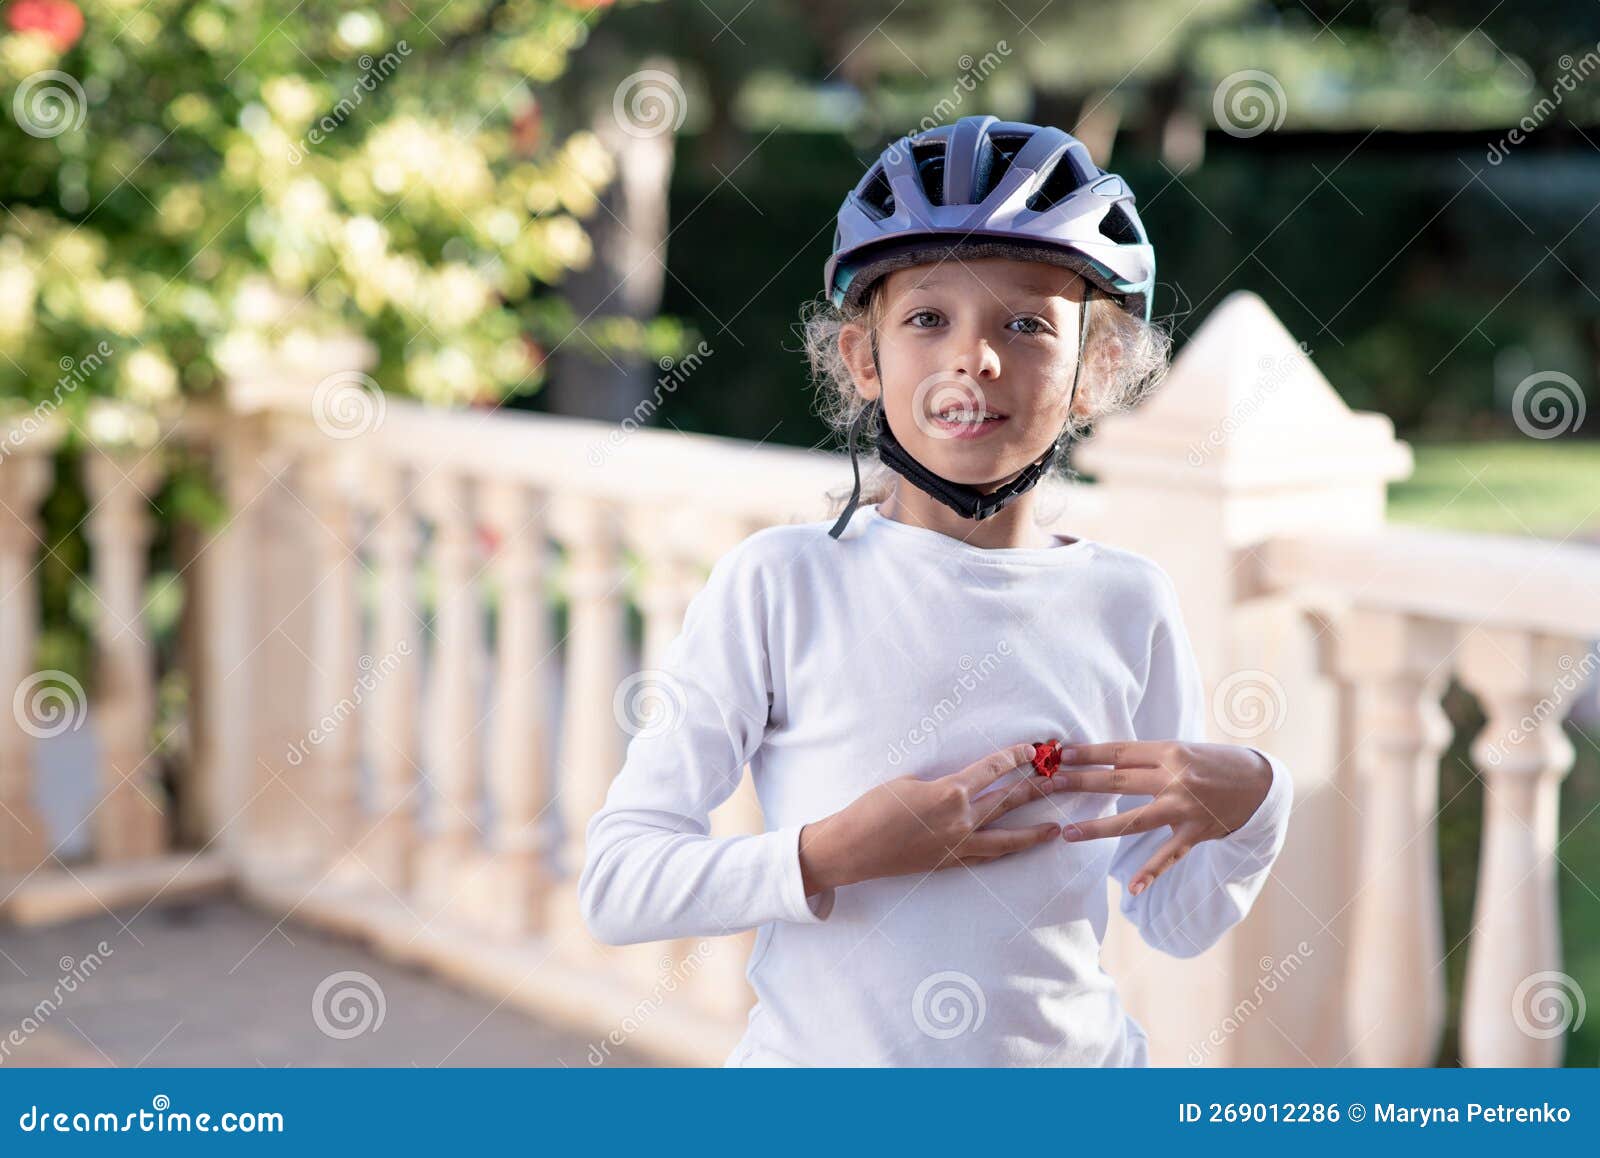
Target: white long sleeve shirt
830, 666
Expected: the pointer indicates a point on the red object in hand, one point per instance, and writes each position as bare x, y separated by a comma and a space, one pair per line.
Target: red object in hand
1047, 757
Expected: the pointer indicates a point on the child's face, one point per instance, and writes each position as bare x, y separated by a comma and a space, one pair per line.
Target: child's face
958, 340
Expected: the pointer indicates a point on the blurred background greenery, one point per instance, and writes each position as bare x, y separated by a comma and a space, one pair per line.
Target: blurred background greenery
536, 203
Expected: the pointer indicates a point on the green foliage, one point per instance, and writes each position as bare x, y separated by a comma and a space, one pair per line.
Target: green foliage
1545, 488
190, 181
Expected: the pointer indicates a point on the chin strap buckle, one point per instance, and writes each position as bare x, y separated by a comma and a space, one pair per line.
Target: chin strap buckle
966, 501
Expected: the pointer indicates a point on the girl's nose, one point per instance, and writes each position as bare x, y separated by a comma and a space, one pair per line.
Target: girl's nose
979, 359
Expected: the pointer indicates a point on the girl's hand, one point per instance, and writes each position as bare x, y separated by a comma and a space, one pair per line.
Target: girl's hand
1202, 790
912, 825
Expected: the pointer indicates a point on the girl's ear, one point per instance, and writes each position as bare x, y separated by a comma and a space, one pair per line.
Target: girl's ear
855, 347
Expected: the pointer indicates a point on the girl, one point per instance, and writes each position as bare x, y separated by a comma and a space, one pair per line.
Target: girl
924, 894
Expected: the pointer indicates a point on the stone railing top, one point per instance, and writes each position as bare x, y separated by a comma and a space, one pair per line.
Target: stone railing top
1499, 580
602, 460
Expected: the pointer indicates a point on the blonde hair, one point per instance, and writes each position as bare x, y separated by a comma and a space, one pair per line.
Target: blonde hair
1125, 359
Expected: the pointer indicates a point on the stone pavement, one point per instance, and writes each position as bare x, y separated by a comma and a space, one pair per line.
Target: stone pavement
214, 983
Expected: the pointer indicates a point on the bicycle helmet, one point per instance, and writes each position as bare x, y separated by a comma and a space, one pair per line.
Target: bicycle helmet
983, 187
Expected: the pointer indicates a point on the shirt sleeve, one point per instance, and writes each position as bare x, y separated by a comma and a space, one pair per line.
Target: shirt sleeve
652, 871
1186, 909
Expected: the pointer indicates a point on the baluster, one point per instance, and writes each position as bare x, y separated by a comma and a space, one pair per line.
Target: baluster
391, 841
129, 821
452, 842
329, 778
519, 780
285, 835
1395, 667
1513, 982
25, 475
591, 735
228, 571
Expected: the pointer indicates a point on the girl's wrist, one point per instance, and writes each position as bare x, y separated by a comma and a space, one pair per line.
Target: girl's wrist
821, 856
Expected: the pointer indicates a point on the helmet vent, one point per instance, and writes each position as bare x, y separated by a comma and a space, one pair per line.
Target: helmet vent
1004, 149
1058, 186
1119, 227
877, 198
929, 162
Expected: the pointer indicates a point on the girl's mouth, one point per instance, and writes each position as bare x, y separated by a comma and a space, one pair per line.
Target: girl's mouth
967, 423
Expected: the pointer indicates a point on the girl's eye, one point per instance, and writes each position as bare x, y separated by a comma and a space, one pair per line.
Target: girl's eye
929, 314
1034, 325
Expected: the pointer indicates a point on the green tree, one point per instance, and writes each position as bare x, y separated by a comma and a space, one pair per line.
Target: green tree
185, 178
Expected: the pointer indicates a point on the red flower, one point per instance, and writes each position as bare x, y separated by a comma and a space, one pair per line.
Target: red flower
1047, 757
58, 21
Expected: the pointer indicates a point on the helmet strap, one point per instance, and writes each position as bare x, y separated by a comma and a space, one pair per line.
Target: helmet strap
855, 465
966, 501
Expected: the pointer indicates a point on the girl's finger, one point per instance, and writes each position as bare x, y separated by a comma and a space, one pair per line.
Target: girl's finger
993, 842
1121, 753
1165, 857
1033, 788
1128, 781
985, 772
1140, 819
